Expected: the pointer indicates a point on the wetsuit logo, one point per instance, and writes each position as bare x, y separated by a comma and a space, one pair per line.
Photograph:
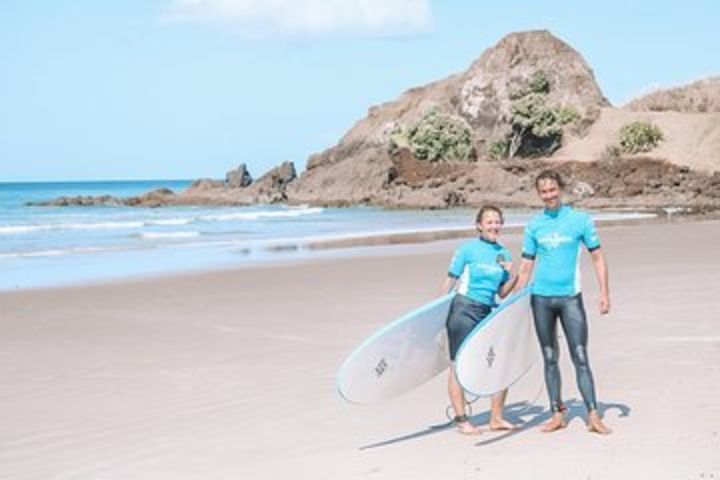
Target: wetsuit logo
487, 268
554, 240
381, 367
490, 357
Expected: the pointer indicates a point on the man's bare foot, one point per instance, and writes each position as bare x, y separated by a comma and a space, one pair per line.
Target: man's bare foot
556, 422
497, 425
467, 428
596, 425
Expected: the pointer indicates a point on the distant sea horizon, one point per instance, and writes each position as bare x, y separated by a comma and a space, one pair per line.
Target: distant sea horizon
54, 246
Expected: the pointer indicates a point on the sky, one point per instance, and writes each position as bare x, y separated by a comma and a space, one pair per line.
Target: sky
183, 89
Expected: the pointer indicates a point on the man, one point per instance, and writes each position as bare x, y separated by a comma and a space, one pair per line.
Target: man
552, 241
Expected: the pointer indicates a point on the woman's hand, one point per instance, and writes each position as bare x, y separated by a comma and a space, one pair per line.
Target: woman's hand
507, 266
509, 285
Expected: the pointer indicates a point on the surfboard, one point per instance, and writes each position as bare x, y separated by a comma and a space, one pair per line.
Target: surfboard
500, 349
399, 357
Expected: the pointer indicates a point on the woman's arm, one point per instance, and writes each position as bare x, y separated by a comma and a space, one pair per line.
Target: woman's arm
509, 285
448, 284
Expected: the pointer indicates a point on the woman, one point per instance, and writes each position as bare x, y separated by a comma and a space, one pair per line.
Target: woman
484, 268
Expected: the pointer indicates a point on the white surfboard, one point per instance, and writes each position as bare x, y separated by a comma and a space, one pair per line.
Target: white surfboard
500, 349
399, 357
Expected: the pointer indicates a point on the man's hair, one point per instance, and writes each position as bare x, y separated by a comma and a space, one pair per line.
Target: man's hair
549, 175
488, 208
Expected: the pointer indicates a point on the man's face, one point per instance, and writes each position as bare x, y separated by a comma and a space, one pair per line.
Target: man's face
549, 192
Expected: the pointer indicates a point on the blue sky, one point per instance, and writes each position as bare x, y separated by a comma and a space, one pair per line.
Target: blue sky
191, 88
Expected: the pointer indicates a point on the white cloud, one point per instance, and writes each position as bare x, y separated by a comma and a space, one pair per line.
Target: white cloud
307, 17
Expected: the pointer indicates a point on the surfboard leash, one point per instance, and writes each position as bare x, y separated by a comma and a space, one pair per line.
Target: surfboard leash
449, 414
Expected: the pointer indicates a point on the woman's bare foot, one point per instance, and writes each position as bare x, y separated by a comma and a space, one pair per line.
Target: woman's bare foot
464, 426
501, 424
467, 428
596, 425
556, 422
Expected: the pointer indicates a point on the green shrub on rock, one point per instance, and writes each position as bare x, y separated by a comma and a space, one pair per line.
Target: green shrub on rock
537, 128
498, 149
639, 137
398, 138
567, 115
436, 137
539, 82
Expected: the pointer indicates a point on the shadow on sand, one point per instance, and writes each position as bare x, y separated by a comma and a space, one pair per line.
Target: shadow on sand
538, 416
523, 414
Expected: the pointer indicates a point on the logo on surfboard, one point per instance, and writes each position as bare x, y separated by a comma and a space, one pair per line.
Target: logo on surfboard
490, 357
380, 367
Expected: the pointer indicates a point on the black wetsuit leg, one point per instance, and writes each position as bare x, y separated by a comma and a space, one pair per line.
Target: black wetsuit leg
571, 312
545, 313
574, 322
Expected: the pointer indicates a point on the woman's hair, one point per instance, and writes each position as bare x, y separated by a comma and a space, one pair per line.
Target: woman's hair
549, 175
488, 208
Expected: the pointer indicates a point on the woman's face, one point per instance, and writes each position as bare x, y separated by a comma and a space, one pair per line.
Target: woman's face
549, 192
490, 225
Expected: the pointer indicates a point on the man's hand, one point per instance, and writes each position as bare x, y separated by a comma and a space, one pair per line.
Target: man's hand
604, 304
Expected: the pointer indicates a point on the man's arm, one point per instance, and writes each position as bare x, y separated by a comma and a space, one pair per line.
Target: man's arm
526, 268
601, 271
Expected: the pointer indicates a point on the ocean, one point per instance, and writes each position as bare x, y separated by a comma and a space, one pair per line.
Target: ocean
52, 246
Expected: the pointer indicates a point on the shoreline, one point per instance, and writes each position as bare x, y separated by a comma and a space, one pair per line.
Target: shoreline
285, 252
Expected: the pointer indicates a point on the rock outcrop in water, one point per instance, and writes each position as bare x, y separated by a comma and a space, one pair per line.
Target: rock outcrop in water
235, 190
238, 178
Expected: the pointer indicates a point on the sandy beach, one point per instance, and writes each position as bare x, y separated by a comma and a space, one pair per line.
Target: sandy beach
232, 374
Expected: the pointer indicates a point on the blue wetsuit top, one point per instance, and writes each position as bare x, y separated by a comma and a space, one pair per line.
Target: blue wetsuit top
476, 264
554, 237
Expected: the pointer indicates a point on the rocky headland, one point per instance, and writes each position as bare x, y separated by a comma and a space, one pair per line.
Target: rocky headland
528, 103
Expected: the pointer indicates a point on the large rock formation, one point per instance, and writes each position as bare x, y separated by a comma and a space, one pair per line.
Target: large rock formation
360, 168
